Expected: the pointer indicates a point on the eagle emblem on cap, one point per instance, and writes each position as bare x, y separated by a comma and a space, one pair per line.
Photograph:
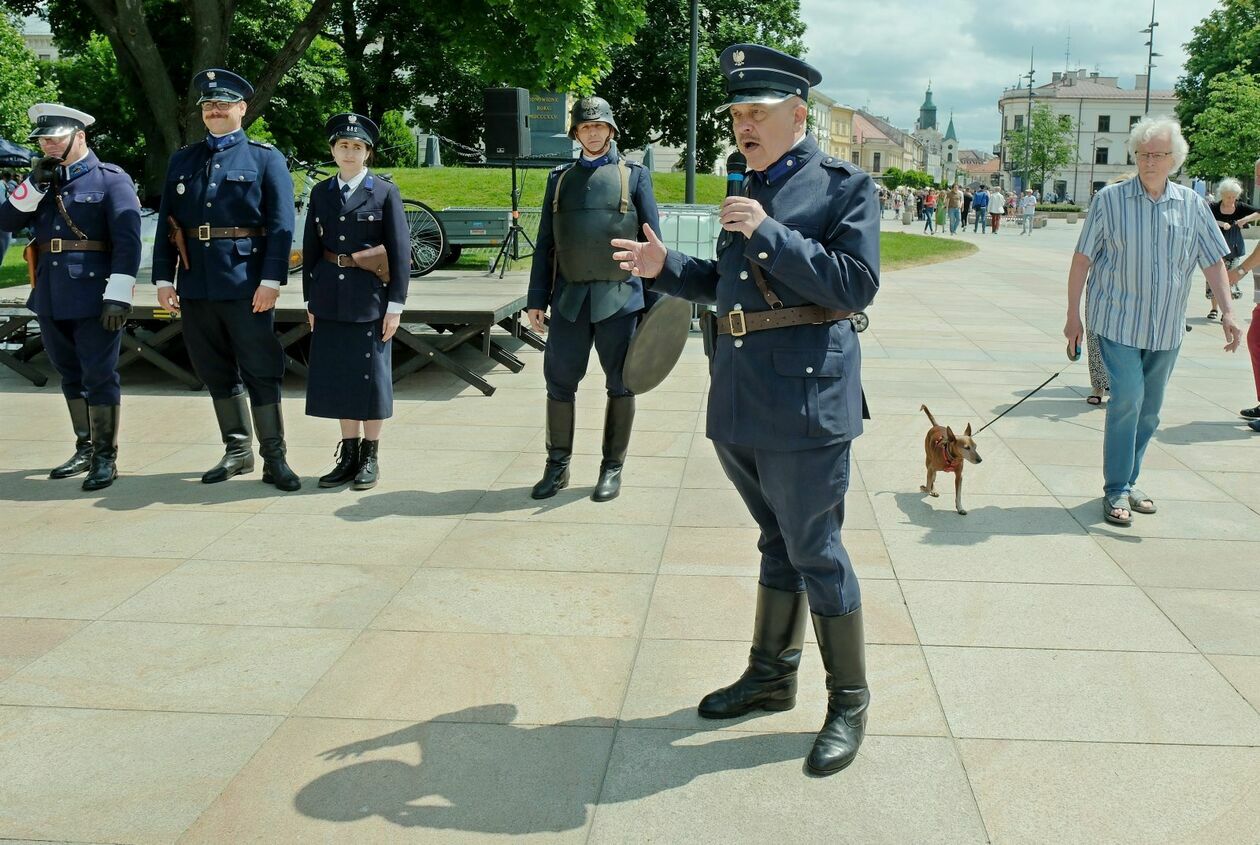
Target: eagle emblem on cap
738, 57
353, 119
210, 75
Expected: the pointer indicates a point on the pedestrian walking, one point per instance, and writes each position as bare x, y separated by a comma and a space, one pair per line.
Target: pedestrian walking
1027, 211
929, 212
1231, 215
980, 203
997, 209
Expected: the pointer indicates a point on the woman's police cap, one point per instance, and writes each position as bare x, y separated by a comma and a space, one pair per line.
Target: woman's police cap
53, 120
351, 125
763, 75
222, 86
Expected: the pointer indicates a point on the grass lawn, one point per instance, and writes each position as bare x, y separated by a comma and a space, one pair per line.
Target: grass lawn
441, 187
13, 268
898, 250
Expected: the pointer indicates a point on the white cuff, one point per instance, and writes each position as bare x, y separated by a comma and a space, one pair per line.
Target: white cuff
394, 308
163, 283
120, 288
26, 197
268, 283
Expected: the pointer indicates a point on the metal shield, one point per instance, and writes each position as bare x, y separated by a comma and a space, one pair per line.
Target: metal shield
657, 344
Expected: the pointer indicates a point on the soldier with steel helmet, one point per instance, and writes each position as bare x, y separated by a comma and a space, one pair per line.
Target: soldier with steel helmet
83, 261
592, 301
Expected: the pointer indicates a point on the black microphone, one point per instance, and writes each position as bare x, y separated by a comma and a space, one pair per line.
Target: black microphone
736, 165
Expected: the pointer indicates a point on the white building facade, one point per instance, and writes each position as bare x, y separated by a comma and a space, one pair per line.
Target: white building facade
1100, 114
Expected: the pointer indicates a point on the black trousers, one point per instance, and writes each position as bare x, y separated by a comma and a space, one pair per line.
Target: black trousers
233, 349
86, 357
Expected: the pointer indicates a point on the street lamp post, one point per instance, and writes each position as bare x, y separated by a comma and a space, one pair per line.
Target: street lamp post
1028, 128
692, 97
1150, 56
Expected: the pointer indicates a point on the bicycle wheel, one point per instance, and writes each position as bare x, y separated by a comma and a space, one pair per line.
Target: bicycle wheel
428, 238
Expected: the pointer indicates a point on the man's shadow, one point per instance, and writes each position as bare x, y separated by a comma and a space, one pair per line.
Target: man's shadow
132, 491
456, 503
515, 779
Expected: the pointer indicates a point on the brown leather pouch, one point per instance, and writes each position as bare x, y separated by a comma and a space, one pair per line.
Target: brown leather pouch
373, 259
176, 236
30, 254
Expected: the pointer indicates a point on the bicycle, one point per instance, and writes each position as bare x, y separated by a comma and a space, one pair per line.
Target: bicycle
428, 236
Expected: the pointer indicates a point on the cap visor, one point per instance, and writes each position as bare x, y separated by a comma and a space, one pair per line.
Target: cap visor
51, 132
761, 98
220, 97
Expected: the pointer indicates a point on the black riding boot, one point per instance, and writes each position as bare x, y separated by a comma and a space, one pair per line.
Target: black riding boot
269, 424
844, 657
559, 449
369, 470
618, 420
769, 682
347, 464
82, 458
103, 420
238, 456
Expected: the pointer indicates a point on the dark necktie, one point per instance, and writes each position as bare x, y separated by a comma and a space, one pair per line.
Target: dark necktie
345, 194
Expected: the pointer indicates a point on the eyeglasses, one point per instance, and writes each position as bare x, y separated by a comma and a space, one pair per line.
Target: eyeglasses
1153, 156
216, 105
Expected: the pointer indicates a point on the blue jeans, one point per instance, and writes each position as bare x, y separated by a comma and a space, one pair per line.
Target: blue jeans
954, 214
982, 218
1138, 378
929, 219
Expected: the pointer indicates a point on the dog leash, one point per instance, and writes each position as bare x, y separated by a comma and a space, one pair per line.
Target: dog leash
1020, 402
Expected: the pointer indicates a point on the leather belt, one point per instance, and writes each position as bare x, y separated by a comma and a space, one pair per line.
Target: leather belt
206, 232
338, 259
739, 322
57, 245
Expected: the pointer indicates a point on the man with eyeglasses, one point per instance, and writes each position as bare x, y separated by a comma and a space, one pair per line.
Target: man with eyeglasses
221, 254
85, 218
1142, 240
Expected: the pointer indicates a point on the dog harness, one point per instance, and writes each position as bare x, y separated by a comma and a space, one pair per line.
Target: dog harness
951, 465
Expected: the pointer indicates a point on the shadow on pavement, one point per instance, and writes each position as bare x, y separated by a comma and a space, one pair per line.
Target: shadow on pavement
517, 779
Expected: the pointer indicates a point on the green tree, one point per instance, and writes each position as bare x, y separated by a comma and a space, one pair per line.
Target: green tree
22, 80
89, 80
1227, 131
396, 144
1227, 39
894, 178
647, 84
1043, 148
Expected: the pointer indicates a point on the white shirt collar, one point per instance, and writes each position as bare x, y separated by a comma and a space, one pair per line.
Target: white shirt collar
353, 183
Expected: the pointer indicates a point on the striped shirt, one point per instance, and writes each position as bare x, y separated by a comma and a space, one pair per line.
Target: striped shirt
1143, 255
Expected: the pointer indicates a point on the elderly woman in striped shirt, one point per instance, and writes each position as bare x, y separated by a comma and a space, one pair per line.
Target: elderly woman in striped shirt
1137, 253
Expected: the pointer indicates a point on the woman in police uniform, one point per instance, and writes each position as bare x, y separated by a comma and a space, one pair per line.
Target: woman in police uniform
353, 312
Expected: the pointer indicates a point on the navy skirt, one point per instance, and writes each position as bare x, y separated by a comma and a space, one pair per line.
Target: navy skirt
350, 372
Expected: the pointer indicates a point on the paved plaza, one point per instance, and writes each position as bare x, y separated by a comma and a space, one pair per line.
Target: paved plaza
442, 659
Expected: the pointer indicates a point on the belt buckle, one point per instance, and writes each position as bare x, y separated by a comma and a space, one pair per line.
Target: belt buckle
743, 326
54, 246
341, 256
203, 232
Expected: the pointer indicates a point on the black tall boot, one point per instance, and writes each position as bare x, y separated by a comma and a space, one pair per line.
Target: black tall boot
559, 449
269, 423
103, 420
769, 682
238, 455
82, 458
844, 657
347, 464
369, 468
618, 420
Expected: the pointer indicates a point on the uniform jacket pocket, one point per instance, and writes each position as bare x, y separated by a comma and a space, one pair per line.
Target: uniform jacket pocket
820, 378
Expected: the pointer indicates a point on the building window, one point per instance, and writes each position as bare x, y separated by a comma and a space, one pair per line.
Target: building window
1104, 123
1019, 122
949, 156
1100, 155
1133, 119
875, 157
1098, 186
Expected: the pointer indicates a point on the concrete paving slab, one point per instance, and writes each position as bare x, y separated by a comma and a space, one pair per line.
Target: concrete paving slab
570, 547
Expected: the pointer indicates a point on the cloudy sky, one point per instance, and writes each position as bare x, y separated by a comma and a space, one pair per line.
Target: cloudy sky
880, 55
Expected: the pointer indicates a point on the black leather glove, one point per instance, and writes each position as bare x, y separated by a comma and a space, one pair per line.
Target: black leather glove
45, 172
114, 315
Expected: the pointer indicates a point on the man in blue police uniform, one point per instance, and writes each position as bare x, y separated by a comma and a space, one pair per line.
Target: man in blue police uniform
227, 222
799, 254
592, 300
86, 221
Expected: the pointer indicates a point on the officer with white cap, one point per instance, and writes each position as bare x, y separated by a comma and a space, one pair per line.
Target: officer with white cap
85, 217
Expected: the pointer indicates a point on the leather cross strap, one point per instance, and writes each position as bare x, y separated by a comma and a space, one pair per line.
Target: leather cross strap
739, 323
59, 245
205, 233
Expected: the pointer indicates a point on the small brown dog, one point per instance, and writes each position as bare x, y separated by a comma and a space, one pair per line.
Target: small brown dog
947, 452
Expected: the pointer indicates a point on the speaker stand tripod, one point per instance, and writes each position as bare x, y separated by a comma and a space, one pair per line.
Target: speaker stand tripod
511, 248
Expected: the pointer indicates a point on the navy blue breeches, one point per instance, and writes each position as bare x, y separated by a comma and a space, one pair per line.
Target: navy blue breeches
85, 355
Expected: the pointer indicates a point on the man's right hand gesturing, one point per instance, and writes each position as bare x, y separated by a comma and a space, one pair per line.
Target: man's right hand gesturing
644, 259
